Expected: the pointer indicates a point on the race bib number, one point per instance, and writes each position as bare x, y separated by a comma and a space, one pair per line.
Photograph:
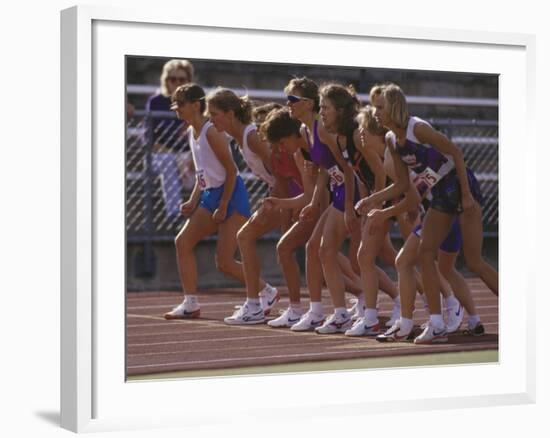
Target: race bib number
425, 180
336, 176
201, 179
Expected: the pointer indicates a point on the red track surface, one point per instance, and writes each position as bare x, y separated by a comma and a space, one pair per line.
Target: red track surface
155, 345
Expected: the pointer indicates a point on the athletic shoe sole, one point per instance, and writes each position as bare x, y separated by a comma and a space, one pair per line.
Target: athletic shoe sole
395, 338
371, 331
240, 322
306, 329
436, 340
190, 315
280, 325
333, 331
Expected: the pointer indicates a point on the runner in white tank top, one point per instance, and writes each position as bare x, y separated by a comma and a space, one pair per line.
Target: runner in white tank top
233, 115
218, 203
253, 160
209, 171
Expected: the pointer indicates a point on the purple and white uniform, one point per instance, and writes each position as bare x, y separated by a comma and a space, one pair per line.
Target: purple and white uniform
434, 171
322, 156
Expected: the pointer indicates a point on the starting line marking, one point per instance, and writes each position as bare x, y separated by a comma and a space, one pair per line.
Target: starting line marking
296, 355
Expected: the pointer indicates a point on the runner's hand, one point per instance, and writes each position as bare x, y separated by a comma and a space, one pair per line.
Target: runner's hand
270, 202
309, 168
187, 208
363, 206
220, 213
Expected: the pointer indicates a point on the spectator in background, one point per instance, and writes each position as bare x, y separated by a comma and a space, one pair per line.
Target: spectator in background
171, 158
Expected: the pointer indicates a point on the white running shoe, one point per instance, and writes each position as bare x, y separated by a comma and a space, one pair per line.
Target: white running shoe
395, 315
355, 311
394, 334
432, 335
335, 324
184, 311
454, 318
245, 316
287, 319
269, 296
309, 321
362, 327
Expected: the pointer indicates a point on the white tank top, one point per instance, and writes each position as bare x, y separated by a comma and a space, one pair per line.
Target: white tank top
253, 160
208, 169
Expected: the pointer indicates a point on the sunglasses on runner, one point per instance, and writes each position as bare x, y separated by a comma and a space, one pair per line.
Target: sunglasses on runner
293, 99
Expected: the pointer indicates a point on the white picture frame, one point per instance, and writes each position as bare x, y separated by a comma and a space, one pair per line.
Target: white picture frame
94, 396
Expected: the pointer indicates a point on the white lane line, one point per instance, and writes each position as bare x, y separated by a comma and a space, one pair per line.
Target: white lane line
336, 342
441, 348
209, 341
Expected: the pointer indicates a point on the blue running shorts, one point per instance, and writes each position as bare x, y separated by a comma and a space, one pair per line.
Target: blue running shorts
210, 199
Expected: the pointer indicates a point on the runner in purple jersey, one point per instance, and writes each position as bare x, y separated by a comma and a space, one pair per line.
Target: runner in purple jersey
331, 233
339, 110
303, 105
454, 190
406, 262
323, 157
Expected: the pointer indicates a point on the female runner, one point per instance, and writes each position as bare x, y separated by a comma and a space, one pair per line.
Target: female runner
338, 108
303, 100
338, 111
218, 202
233, 115
303, 105
440, 167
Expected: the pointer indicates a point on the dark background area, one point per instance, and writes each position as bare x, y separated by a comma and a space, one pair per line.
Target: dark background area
239, 74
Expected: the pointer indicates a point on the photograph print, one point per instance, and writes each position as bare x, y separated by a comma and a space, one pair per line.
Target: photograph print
297, 218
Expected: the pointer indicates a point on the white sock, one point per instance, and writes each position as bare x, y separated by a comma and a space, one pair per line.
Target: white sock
437, 321
253, 302
406, 324
296, 307
316, 307
371, 314
397, 301
451, 302
191, 299
361, 300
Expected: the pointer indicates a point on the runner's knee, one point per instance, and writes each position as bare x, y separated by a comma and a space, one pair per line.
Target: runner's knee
182, 243
364, 256
404, 261
312, 250
284, 250
224, 264
327, 253
244, 235
426, 254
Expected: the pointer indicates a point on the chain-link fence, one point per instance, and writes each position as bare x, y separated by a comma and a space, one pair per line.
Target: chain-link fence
160, 174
